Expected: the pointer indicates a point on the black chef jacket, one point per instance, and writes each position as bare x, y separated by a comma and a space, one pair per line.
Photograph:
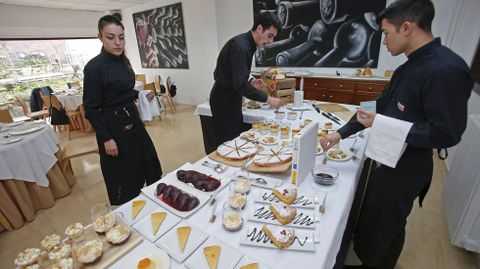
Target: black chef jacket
231, 83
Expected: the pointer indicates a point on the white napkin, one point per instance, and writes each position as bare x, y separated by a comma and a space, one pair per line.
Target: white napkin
147, 109
386, 139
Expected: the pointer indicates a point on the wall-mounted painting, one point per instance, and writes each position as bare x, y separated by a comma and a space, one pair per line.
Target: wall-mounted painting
161, 37
322, 33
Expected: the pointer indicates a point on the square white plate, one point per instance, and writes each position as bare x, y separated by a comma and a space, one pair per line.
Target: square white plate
144, 226
304, 240
169, 242
144, 250
248, 260
305, 218
266, 197
229, 256
171, 179
126, 210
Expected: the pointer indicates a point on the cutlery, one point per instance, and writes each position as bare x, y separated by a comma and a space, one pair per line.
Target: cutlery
352, 148
333, 116
213, 216
259, 180
301, 114
217, 167
321, 208
330, 118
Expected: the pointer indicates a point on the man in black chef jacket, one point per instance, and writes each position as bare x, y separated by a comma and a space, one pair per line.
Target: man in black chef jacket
431, 90
233, 80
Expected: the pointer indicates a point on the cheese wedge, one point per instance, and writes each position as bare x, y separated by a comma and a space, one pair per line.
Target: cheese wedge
183, 233
250, 266
137, 206
212, 253
157, 219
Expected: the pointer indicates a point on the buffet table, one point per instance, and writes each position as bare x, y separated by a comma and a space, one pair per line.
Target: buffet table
30, 177
329, 230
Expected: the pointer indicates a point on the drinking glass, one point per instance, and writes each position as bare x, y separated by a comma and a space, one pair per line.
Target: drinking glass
237, 198
232, 218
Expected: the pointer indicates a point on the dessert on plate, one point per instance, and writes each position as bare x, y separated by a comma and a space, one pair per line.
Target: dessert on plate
281, 237
157, 219
104, 223
237, 149
199, 180
74, 230
283, 213
286, 195
60, 252
250, 266
183, 233
51, 241
212, 254
337, 154
118, 234
90, 251
28, 257
176, 198
137, 206
273, 156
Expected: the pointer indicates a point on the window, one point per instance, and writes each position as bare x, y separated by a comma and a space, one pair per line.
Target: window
28, 64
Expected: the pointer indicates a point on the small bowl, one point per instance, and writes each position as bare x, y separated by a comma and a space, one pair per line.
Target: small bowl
324, 175
264, 106
292, 115
279, 115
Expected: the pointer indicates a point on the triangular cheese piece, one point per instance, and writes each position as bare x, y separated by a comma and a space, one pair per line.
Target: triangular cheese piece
157, 220
250, 266
183, 233
137, 206
212, 253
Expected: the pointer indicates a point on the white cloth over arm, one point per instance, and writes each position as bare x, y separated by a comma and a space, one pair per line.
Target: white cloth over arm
148, 109
386, 140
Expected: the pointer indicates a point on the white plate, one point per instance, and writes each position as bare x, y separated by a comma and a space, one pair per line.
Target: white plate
305, 218
248, 260
347, 152
27, 131
169, 242
229, 256
159, 256
262, 140
266, 197
171, 179
304, 240
12, 141
144, 226
255, 137
13, 124
126, 210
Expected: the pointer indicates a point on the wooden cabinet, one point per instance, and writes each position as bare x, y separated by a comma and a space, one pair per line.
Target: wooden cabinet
342, 90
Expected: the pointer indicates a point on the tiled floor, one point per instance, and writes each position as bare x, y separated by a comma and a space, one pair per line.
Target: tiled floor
178, 139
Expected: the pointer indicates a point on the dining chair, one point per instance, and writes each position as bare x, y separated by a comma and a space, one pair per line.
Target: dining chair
42, 114
5, 116
168, 98
73, 116
141, 77
75, 149
152, 87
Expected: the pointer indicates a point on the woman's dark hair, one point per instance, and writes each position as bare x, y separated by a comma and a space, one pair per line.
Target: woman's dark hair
266, 20
112, 19
419, 11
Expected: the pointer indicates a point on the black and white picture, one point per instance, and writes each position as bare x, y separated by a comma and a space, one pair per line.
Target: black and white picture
322, 33
161, 37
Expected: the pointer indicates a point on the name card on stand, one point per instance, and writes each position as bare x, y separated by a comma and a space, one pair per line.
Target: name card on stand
304, 147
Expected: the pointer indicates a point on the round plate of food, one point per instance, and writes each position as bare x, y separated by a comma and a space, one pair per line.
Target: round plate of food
250, 136
319, 150
269, 140
155, 259
339, 155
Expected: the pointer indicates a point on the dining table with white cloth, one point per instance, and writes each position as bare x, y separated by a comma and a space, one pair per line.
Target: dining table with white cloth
30, 177
329, 230
71, 101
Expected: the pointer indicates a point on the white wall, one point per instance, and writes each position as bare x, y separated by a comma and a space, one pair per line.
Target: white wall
194, 83
35, 22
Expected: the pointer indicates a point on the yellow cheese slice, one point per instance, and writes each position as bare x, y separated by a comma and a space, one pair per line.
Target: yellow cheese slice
212, 253
157, 219
250, 266
183, 233
137, 207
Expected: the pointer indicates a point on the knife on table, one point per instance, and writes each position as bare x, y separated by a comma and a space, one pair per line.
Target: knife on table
330, 118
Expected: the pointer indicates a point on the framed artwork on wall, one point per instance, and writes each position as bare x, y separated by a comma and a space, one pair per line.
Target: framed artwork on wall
161, 37
322, 33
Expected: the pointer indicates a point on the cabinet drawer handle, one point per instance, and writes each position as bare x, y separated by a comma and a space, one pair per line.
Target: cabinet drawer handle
370, 88
341, 85
330, 97
323, 95
316, 84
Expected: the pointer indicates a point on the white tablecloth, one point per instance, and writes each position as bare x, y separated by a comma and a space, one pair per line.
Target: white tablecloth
31, 158
330, 228
70, 102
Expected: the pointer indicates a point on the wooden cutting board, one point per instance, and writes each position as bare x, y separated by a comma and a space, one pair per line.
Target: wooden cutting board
269, 169
345, 115
111, 253
332, 107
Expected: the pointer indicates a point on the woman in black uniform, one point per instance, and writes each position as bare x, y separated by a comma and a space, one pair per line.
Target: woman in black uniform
127, 154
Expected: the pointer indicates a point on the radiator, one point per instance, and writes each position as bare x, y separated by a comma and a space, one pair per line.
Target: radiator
461, 193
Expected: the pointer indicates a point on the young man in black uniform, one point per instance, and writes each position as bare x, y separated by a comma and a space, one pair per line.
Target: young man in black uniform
232, 77
430, 89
